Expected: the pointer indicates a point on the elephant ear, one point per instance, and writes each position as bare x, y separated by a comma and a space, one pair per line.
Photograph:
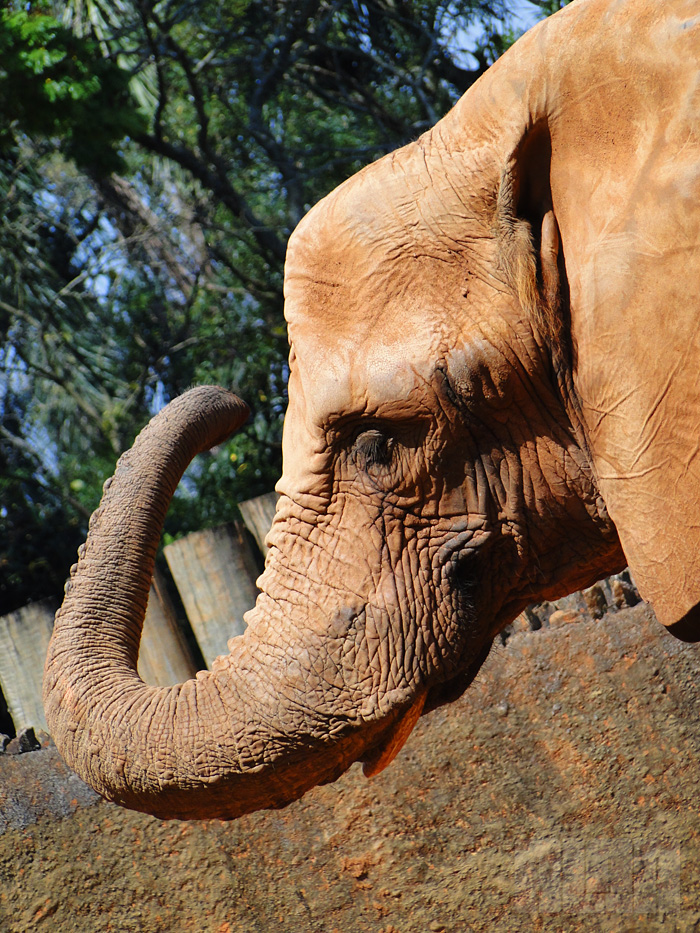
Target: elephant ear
627, 350
648, 468
627, 365
628, 217
530, 246
649, 476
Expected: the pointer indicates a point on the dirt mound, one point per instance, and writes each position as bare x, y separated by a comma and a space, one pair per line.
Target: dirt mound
560, 793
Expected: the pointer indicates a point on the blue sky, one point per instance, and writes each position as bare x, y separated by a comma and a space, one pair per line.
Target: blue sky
525, 13
523, 16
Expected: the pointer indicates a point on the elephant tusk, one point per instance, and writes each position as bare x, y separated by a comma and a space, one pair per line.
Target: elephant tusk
384, 754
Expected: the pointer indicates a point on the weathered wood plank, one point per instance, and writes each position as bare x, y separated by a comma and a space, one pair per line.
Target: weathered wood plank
164, 657
215, 572
24, 640
258, 514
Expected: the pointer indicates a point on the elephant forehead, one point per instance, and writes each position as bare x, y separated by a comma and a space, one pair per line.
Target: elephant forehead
372, 279
378, 374
405, 200
364, 333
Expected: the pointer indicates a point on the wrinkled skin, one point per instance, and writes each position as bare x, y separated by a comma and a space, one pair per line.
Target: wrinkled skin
493, 400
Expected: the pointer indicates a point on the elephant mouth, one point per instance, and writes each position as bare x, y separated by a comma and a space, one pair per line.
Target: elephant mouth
394, 738
452, 689
383, 753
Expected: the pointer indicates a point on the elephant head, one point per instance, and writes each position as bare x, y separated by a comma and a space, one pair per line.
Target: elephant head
446, 452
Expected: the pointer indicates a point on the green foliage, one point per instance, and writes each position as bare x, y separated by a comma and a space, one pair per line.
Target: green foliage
68, 89
36, 525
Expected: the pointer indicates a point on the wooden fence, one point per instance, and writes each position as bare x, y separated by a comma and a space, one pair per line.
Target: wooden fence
214, 572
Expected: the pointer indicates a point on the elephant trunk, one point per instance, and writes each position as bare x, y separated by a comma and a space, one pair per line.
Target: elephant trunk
235, 739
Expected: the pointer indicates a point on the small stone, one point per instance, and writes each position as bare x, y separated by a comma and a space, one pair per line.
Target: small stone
502, 708
595, 600
27, 741
560, 617
520, 624
539, 614
436, 926
624, 593
618, 594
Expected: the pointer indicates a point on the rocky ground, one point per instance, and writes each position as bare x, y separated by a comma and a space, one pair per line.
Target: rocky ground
559, 794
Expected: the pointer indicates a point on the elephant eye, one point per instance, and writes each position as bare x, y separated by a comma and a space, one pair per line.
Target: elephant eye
372, 449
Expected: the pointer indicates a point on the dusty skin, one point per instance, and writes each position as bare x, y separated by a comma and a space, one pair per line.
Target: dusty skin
493, 399
558, 794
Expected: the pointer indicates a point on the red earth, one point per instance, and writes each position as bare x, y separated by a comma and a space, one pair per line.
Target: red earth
560, 793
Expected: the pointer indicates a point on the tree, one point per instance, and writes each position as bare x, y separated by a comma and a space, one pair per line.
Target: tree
151, 203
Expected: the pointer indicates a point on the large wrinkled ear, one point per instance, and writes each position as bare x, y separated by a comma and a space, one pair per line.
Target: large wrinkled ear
639, 410
530, 248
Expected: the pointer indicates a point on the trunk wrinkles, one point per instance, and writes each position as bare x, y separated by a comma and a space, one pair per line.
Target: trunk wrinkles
232, 740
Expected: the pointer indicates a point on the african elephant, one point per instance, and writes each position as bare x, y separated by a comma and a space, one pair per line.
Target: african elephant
494, 399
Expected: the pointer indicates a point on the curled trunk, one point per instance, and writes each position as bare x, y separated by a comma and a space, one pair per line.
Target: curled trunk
216, 746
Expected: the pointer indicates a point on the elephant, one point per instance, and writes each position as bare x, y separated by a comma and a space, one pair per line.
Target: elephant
493, 400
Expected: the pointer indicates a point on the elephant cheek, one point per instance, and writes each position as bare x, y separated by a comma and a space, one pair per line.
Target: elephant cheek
453, 503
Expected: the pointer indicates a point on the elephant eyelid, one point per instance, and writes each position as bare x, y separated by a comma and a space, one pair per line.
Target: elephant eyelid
372, 447
344, 432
